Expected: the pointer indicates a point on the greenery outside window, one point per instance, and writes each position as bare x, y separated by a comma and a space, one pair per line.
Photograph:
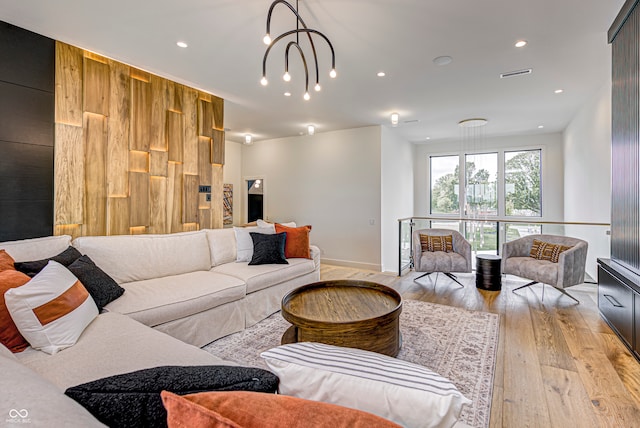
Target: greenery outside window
481, 184
523, 195
445, 184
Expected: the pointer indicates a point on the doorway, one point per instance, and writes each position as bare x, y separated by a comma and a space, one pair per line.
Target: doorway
255, 199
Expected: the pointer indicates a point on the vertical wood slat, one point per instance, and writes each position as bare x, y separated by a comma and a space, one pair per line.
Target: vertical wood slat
190, 111
139, 199
190, 199
118, 130
174, 198
118, 215
68, 84
138, 161
96, 87
217, 206
159, 106
217, 147
158, 205
158, 163
218, 112
205, 118
140, 116
68, 174
95, 196
175, 136
625, 209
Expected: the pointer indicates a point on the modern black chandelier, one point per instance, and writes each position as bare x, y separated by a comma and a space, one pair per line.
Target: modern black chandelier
301, 27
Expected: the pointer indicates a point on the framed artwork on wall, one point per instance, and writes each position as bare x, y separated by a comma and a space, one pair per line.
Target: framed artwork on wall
227, 200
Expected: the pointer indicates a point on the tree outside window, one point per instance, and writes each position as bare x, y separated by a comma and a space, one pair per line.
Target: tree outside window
522, 183
445, 184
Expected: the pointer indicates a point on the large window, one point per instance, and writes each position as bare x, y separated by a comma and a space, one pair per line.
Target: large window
504, 183
481, 179
445, 184
523, 196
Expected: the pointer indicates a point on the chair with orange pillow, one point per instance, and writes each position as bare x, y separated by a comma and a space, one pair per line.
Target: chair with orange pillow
441, 250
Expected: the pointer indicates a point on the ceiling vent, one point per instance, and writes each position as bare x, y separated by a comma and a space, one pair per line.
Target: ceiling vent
516, 73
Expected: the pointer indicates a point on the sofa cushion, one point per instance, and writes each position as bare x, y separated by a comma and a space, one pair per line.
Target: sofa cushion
439, 261
36, 402
258, 410
543, 271
376, 383
297, 243
244, 243
222, 245
127, 258
133, 399
102, 288
65, 258
268, 249
9, 334
36, 248
113, 344
52, 309
6, 261
264, 276
160, 300
436, 243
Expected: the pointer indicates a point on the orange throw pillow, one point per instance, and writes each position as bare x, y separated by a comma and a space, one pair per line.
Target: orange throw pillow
9, 334
6, 261
243, 409
297, 243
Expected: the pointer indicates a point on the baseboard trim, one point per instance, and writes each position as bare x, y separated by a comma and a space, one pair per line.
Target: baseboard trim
352, 264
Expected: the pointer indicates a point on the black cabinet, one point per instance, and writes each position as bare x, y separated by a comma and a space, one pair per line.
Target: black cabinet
619, 302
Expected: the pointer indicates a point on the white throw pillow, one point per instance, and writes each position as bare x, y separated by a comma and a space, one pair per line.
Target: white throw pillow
406, 393
52, 310
244, 243
262, 223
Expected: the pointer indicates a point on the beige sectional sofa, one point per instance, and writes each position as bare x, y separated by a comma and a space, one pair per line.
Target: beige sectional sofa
187, 285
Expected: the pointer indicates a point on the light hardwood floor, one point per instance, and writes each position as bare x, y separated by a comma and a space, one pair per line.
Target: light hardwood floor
558, 363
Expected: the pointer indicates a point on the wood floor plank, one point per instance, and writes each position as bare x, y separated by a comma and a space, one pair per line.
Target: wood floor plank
567, 398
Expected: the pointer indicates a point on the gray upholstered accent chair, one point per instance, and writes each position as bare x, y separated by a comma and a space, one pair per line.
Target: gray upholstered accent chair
459, 260
568, 271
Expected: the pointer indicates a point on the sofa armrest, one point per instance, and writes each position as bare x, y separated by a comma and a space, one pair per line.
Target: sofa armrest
315, 255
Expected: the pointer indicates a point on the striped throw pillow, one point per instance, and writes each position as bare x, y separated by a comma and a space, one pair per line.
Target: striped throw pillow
367, 381
546, 251
436, 243
52, 310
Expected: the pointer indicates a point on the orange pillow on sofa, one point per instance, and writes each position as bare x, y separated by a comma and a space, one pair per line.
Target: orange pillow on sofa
6, 261
9, 334
243, 409
297, 242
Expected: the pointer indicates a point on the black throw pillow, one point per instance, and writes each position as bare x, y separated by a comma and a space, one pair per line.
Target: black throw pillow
100, 286
268, 249
133, 399
65, 258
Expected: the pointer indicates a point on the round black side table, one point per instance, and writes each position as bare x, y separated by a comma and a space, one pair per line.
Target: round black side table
488, 276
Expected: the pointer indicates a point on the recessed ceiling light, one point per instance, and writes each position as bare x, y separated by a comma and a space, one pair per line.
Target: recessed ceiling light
381, 74
182, 44
558, 91
540, 126
521, 43
428, 138
442, 60
287, 94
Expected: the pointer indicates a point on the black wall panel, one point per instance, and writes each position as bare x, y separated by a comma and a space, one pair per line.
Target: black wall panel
27, 109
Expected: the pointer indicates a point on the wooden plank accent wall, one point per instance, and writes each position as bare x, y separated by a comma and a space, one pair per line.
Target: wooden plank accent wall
132, 150
625, 148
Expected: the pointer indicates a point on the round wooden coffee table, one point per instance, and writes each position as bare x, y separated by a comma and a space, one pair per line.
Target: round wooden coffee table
354, 314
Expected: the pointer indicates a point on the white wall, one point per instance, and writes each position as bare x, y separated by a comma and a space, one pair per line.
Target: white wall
330, 181
587, 174
232, 174
552, 167
396, 193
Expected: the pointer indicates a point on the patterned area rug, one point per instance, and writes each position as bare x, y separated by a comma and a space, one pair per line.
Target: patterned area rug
456, 343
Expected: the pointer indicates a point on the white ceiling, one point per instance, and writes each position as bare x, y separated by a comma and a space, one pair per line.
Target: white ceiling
567, 49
